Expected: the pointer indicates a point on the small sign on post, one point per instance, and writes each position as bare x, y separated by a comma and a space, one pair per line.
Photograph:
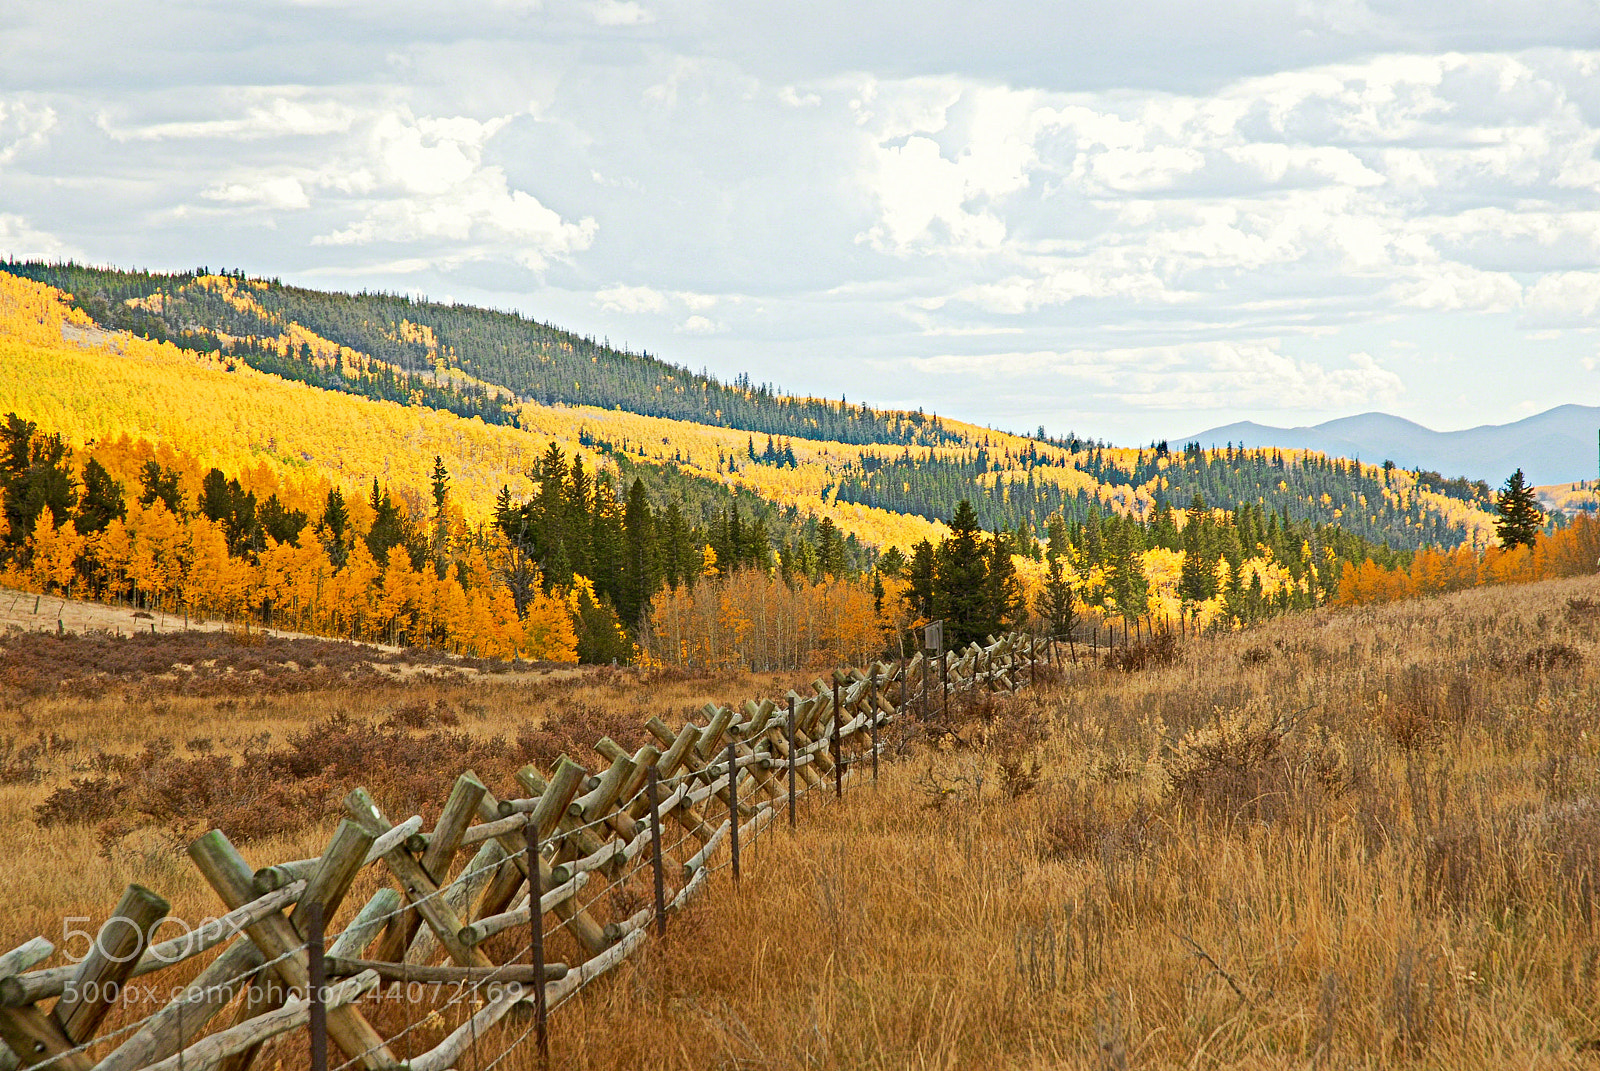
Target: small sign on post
933, 637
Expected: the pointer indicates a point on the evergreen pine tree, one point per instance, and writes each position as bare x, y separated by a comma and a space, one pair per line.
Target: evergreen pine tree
1056, 604
1002, 589
830, 548
160, 485
606, 542
920, 574
1125, 579
1520, 515
641, 574
335, 522
960, 571
101, 502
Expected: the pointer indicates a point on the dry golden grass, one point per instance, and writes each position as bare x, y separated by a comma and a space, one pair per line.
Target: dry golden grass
1365, 838
80, 869
1387, 859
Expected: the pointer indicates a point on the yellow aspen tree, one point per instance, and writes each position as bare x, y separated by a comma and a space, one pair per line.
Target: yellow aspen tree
56, 550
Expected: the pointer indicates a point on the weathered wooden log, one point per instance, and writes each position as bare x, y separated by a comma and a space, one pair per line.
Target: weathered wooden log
478, 932
596, 803
420, 888
459, 895
337, 867
30, 952
214, 1050
500, 891
281, 874
366, 925
234, 882
522, 973
548, 807
578, 922
569, 830
712, 737
187, 1014
780, 747
34, 1036
584, 973
698, 860
445, 1054
14, 1032
648, 755
457, 813
112, 957
489, 829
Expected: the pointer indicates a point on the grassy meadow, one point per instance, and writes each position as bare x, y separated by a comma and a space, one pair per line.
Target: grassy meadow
1361, 838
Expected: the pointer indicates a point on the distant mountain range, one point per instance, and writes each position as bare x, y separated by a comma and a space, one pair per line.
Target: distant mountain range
1557, 446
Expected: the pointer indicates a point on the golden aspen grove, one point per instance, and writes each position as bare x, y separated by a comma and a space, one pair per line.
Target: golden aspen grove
1119, 539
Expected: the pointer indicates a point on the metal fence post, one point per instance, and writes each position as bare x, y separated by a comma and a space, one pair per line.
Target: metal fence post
873, 706
317, 986
654, 789
733, 809
902, 680
790, 731
838, 758
944, 684
541, 1012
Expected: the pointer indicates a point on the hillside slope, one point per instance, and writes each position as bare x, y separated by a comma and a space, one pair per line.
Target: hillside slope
534, 361
58, 370
241, 369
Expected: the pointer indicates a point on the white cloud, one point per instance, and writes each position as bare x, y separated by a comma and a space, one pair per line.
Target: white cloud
279, 116
699, 325
24, 128
874, 197
1204, 376
620, 13
424, 179
1569, 297
1450, 287
793, 98
632, 299
20, 239
281, 192
924, 201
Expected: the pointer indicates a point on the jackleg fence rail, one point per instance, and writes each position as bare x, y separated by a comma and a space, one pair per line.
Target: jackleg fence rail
506, 905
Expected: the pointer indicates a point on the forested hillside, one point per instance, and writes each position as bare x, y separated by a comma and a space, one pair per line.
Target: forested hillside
873, 472
287, 477
408, 339
1020, 490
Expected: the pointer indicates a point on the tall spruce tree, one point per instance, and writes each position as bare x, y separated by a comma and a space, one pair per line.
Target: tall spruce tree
1002, 588
641, 575
1520, 515
35, 474
1125, 579
920, 575
101, 502
961, 567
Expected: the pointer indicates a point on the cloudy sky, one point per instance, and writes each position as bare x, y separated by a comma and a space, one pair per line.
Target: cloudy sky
1132, 220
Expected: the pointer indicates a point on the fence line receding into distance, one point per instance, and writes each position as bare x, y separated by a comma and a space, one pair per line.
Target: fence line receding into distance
606, 856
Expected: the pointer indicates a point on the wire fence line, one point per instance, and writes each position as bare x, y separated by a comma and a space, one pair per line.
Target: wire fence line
568, 879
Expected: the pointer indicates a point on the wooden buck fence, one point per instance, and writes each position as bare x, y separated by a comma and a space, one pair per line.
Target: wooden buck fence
607, 857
